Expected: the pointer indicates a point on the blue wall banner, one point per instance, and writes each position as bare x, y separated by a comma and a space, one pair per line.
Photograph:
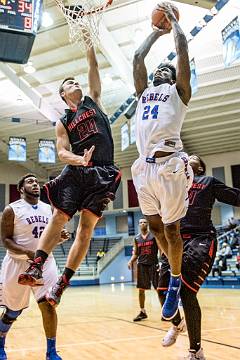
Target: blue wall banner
46, 151
125, 136
231, 42
17, 149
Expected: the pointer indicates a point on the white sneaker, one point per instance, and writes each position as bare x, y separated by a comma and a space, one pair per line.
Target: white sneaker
172, 334
199, 355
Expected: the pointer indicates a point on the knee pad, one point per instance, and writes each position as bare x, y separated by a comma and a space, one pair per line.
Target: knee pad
9, 316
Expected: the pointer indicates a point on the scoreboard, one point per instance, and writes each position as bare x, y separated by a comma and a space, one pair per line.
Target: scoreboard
19, 22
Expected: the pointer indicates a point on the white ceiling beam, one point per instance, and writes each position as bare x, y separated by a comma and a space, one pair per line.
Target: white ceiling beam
115, 56
37, 101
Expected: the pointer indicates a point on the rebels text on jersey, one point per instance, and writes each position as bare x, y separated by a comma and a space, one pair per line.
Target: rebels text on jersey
89, 126
202, 195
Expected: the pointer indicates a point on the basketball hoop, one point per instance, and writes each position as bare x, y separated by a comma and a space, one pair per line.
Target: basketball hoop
83, 18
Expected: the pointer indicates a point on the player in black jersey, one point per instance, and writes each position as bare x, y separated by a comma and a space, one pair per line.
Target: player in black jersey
145, 251
88, 181
199, 250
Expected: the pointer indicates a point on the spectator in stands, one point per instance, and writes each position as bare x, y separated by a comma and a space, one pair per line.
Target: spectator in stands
225, 253
145, 251
100, 254
232, 223
238, 260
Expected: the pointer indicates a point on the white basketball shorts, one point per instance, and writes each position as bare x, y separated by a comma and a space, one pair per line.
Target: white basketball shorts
15, 296
162, 185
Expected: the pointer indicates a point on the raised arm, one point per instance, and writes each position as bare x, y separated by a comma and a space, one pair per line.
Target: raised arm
94, 81
140, 75
7, 229
183, 73
63, 149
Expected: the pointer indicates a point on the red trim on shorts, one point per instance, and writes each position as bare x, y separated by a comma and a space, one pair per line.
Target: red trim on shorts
186, 236
47, 190
161, 288
189, 286
119, 175
211, 249
99, 217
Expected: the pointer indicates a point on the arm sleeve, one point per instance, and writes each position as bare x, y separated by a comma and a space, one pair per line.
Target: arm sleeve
225, 193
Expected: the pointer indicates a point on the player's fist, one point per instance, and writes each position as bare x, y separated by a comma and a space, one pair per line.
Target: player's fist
130, 265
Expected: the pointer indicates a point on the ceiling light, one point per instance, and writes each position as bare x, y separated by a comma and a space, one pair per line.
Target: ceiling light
46, 20
29, 68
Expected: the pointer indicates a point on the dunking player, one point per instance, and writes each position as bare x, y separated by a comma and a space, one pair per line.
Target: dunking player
21, 226
199, 250
88, 181
145, 251
161, 174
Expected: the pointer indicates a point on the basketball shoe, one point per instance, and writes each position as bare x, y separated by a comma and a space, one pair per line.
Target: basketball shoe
54, 296
142, 315
33, 275
172, 334
170, 306
195, 355
3, 355
52, 355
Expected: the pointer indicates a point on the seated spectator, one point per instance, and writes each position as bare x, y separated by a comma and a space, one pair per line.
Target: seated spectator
224, 254
100, 254
238, 260
232, 223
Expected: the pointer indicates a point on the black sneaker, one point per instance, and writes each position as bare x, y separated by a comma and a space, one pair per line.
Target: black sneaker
33, 275
140, 316
54, 296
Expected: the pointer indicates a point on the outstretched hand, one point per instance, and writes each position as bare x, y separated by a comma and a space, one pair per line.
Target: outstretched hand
87, 156
168, 10
161, 31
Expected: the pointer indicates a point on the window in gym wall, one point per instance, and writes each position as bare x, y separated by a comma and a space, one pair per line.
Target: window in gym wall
219, 173
118, 202
235, 175
122, 224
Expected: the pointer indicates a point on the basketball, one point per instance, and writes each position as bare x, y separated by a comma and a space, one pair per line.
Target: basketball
159, 19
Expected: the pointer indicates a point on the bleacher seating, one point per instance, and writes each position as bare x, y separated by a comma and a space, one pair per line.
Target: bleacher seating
89, 264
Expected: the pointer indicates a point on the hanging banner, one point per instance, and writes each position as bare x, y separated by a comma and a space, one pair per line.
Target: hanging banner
125, 136
132, 130
17, 149
231, 42
46, 151
194, 80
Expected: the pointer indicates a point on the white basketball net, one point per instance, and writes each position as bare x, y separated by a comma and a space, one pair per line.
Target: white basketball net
83, 17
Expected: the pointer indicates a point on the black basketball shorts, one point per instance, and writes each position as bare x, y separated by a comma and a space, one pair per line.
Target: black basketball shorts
79, 188
199, 251
147, 275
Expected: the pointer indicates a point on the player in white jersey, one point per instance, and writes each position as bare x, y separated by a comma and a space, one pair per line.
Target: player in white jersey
22, 223
161, 174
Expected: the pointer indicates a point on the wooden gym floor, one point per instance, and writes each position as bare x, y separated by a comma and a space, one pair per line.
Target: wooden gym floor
95, 323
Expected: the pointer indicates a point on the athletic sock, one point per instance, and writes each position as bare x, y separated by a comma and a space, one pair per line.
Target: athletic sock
68, 273
51, 344
41, 256
143, 310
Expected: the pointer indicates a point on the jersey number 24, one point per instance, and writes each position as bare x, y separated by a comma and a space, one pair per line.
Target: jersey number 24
151, 112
